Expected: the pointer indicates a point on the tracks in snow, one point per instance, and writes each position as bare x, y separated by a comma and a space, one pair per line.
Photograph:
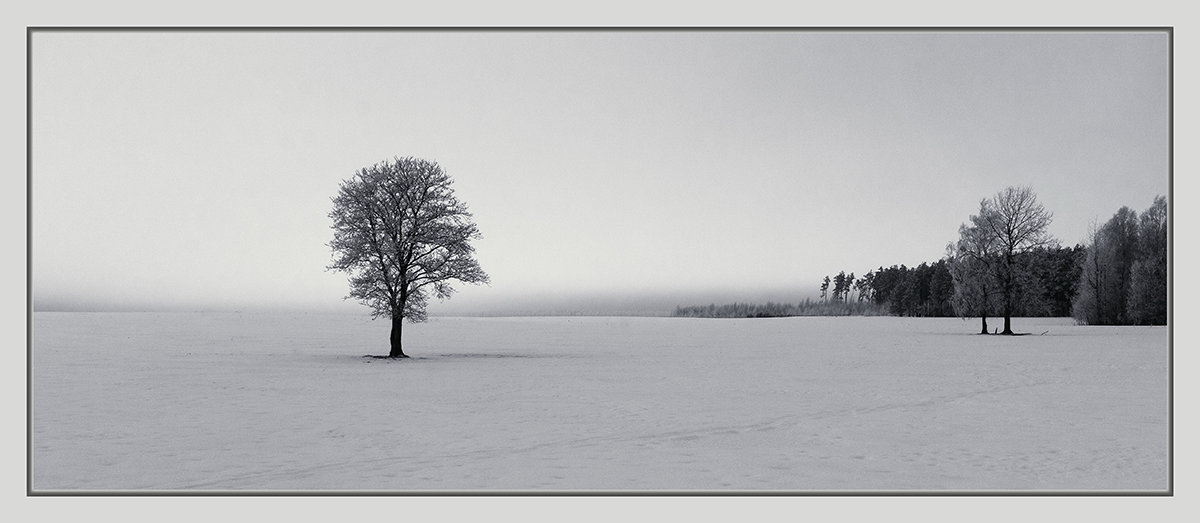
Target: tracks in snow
411, 465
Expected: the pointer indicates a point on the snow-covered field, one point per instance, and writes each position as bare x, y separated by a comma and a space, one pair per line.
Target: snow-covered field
270, 402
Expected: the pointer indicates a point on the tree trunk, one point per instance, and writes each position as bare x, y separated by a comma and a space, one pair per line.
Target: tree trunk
397, 325
1008, 293
983, 318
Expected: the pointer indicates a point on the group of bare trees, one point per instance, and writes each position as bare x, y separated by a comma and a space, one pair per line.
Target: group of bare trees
1121, 278
987, 260
1124, 280
1004, 264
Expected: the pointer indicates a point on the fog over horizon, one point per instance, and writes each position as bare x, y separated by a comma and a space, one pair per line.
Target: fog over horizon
610, 172
649, 303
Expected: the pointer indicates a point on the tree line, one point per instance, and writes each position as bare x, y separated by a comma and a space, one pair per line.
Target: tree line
806, 307
1005, 264
927, 290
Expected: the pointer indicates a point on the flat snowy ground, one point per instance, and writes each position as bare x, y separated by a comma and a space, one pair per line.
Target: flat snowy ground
268, 402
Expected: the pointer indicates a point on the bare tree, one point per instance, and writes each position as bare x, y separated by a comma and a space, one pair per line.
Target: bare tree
402, 235
973, 259
1095, 281
1015, 220
1124, 277
1148, 276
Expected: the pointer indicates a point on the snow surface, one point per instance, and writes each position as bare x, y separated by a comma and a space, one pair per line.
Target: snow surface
271, 402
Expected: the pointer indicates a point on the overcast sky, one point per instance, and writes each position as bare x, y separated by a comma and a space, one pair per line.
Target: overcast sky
195, 169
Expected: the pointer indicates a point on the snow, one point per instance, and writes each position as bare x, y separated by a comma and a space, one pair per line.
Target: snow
285, 401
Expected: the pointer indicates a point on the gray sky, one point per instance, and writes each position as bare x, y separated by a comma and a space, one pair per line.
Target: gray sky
194, 169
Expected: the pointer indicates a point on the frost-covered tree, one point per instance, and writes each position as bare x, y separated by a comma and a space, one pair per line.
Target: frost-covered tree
402, 236
971, 261
1104, 281
1095, 281
1121, 239
1124, 275
1147, 301
989, 253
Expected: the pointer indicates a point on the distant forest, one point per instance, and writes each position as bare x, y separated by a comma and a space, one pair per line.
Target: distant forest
1120, 278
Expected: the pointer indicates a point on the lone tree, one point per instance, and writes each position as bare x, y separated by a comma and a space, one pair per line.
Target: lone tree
401, 235
1016, 223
